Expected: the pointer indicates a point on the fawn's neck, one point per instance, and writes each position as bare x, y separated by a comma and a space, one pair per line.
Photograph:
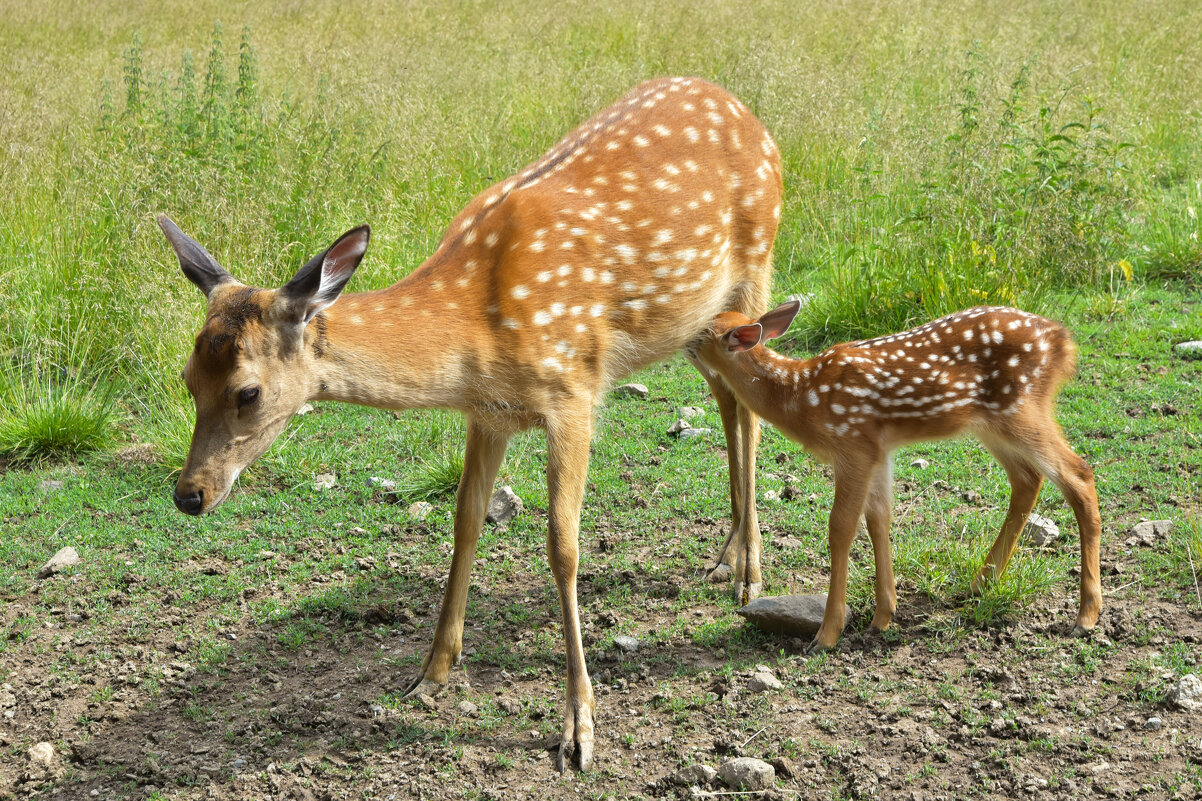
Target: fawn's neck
776, 386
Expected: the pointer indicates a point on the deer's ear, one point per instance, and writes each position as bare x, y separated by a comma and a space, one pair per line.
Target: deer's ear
743, 337
318, 284
777, 321
200, 268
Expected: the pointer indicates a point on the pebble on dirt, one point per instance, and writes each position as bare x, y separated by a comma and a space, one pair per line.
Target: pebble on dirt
633, 390
1147, 532
626, 643
747, 773
762, 682
66, 557
1186, 693
503, 506
690, 433
694, 775
798, 615
1040, 530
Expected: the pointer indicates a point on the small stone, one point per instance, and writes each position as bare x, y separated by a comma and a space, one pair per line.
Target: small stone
1186, 693
386, 484
509, 706
787, 768
304, 409
633, 390
747, 773
1152, 724
694, 776
693, 433
1189, 350
420, 510
426, 700
1147, 532
50, 485
378, 711
42, 755
921, 464
771, 495
324, 481
762, 682
626, 643
467, 708
676, 428
797, 615
970, 496
689, 412
1041, 530
503, 506
64, 558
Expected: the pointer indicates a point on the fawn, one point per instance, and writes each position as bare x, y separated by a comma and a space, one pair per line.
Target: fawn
993, 372
610, 252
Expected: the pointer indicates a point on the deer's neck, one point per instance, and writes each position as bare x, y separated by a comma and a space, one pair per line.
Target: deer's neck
395, 349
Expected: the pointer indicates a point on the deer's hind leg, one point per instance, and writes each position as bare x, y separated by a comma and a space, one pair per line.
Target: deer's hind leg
878, 512
1025, 483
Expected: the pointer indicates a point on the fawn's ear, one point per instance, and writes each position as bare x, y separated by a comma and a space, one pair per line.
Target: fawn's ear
317, 285
777, 321
743, 337
200, 268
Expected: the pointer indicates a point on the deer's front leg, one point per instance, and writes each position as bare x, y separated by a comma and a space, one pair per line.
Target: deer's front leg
567, 467
851, 490
481, 460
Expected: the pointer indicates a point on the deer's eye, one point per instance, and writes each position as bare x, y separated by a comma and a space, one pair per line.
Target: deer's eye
248, 396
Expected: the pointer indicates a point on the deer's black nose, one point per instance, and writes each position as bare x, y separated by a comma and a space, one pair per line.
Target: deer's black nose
189, 504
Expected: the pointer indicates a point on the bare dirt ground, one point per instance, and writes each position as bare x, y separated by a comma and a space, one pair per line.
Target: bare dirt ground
1013, 711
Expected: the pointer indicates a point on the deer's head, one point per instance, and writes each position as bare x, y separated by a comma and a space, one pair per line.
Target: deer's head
250, 370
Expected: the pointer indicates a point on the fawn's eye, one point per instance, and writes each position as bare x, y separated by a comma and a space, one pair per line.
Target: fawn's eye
248, 396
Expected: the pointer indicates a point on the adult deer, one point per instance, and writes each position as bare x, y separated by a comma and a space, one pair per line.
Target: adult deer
609, 253
993, 372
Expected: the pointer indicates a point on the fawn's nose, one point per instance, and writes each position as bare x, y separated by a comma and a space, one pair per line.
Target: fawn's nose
189, 504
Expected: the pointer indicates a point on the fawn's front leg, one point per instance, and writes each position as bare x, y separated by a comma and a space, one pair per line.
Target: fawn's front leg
851, 489
877, 515
567, 469
481, 461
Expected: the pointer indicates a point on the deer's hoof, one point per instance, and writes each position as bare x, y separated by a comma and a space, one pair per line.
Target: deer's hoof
720, 573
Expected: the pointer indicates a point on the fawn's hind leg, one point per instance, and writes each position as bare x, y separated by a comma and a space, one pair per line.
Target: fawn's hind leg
878, 513
1025, 483
1074, 477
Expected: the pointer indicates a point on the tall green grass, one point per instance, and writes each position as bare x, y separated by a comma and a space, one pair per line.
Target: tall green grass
936, 157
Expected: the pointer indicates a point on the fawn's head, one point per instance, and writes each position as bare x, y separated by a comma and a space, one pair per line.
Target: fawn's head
247, 372
732, 333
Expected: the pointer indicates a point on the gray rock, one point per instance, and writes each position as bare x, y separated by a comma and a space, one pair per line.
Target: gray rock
1152, 724
503, 506
60, 561
1189, 350
626, 643
680, 425
1147, 532
42, 755
921, 464
747, 773
1186, 693
1040, 530
798, 615
771, 495
386, 484
762, 682
467, 708
693, 433
420, 510
324, 481
633, 390
509, 706
688, 413
50, 485
694, 776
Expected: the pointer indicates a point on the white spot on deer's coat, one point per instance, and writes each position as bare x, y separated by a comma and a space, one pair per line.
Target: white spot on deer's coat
520, 292
542, 318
